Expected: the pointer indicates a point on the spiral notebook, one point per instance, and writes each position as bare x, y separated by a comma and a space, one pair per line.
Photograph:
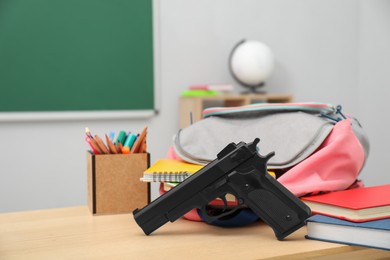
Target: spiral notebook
168, 170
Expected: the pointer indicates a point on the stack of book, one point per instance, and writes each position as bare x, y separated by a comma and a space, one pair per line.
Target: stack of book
355, 217
170, 172
208, 90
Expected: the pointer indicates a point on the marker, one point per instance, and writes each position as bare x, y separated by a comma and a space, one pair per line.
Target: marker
130, 140
112, 135
125, 150
121, 137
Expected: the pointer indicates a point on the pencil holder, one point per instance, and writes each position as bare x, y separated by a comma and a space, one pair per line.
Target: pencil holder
114, 184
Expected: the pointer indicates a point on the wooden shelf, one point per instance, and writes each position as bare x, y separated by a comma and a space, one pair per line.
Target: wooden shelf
195, 105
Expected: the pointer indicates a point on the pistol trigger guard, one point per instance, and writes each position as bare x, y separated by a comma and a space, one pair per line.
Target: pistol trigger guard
205, 215
228, 212
209, 219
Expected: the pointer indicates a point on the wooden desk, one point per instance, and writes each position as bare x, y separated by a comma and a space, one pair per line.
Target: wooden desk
73, 233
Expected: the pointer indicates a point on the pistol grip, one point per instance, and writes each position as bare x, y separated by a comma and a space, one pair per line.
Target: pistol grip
276, 213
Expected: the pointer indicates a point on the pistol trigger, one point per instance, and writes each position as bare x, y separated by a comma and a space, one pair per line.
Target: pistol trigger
223, 198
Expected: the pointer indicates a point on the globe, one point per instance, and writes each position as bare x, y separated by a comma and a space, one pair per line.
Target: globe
251, 63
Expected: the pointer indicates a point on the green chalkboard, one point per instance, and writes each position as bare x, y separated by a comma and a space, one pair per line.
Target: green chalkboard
76, 55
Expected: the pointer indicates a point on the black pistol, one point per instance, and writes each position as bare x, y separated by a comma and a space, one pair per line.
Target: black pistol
238, 170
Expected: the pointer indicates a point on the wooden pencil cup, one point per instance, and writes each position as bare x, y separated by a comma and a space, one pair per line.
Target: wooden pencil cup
114, 184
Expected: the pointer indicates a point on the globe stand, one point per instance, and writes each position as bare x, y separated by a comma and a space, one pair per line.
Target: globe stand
254, 89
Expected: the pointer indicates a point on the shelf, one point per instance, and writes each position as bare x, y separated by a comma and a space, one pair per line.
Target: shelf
192, 107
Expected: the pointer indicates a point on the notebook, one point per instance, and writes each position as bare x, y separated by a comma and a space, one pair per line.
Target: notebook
168, 170
358, 205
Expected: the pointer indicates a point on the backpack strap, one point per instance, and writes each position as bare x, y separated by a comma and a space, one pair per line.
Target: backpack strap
309, 107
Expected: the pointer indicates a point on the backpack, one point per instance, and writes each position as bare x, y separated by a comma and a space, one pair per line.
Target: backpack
317, 147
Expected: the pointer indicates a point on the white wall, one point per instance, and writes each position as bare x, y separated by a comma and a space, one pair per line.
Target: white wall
330, 51
374, 85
